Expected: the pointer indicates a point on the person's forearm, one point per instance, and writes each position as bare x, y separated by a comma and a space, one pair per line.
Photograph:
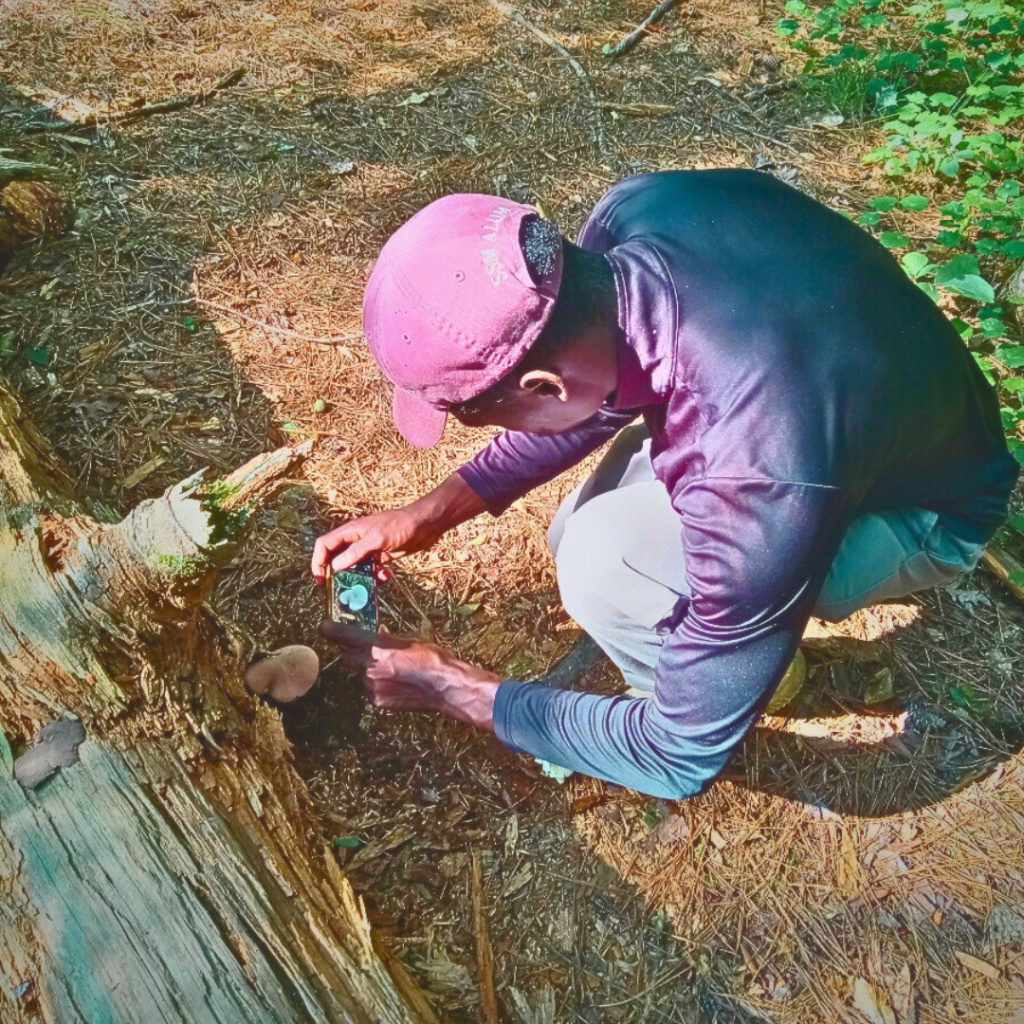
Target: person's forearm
449, 504
469, 696
514, 463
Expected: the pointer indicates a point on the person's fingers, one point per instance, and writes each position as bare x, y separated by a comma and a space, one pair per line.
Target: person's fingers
318, 563
328, 544
344, 635
356, 552
347, 636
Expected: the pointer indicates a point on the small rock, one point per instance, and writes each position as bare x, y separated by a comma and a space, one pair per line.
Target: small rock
56, 747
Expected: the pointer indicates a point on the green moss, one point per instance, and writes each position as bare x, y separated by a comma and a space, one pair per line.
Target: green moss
180, 565
225, 525
215, 493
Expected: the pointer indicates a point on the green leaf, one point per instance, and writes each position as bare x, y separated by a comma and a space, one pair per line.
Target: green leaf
786, 27
1016, 522
884, 203
652, 816
950, 239
1013, 249
914, 202
465, 610
869, 220
958, 266
1017, 578
893, 239
346, 842
1015, 385
38, 356
1011, 356
915, 264
985, 366
963, 328
189, 323
949, 167
963, 696
970, 286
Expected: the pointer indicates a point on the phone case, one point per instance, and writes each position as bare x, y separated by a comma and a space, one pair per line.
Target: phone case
352, 595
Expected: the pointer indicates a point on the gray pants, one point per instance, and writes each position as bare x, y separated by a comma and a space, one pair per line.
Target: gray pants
622, 569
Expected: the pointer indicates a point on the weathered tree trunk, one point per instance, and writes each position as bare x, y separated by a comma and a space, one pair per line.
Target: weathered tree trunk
167, 875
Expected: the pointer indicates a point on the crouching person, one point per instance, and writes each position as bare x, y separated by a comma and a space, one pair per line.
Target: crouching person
815, 437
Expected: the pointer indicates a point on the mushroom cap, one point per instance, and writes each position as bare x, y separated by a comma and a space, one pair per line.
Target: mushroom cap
284, 674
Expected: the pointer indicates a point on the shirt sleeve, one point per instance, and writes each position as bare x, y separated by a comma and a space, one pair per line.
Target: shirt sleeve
757, 554
514, 463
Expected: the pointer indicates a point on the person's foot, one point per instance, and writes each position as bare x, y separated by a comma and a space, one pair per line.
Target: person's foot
790, 684
584, 656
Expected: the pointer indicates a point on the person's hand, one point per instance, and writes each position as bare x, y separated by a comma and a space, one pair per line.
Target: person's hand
403, 531
386, 535
404, 674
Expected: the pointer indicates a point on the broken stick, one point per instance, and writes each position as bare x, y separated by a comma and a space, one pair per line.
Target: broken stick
146, 110
638, 33
482, 938
20, 170
555, 45
639, 109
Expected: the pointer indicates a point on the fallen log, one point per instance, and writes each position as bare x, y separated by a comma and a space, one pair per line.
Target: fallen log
155, 858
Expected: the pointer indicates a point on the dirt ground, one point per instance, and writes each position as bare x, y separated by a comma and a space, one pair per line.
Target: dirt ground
861, 857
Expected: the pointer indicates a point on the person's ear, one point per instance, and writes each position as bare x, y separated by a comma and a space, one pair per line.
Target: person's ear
544, 383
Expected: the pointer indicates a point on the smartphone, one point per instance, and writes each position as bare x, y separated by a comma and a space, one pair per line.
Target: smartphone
352, 595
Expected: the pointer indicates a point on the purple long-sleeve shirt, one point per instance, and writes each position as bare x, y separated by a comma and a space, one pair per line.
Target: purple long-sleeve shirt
792, 377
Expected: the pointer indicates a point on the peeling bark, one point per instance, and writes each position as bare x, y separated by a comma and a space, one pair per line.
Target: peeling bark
167, 876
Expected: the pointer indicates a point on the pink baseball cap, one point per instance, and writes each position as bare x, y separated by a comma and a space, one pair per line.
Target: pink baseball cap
451, 307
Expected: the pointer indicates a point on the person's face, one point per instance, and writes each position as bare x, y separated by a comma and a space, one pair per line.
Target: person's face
553, 401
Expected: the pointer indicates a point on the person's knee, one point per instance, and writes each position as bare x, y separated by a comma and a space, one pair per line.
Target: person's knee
589, 572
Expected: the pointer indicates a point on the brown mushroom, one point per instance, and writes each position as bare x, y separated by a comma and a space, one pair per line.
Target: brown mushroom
284, 674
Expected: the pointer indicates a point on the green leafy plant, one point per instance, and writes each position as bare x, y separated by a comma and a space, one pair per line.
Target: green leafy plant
943, 78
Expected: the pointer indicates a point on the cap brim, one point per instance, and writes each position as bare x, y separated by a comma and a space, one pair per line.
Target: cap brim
419, 423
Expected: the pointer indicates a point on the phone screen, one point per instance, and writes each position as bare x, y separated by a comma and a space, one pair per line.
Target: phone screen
352, 595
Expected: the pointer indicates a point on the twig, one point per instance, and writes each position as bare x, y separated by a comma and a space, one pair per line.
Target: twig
147, 109
17, 169
335, 339
637, 34
771, 88
640, 109
484, 952
555, 45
